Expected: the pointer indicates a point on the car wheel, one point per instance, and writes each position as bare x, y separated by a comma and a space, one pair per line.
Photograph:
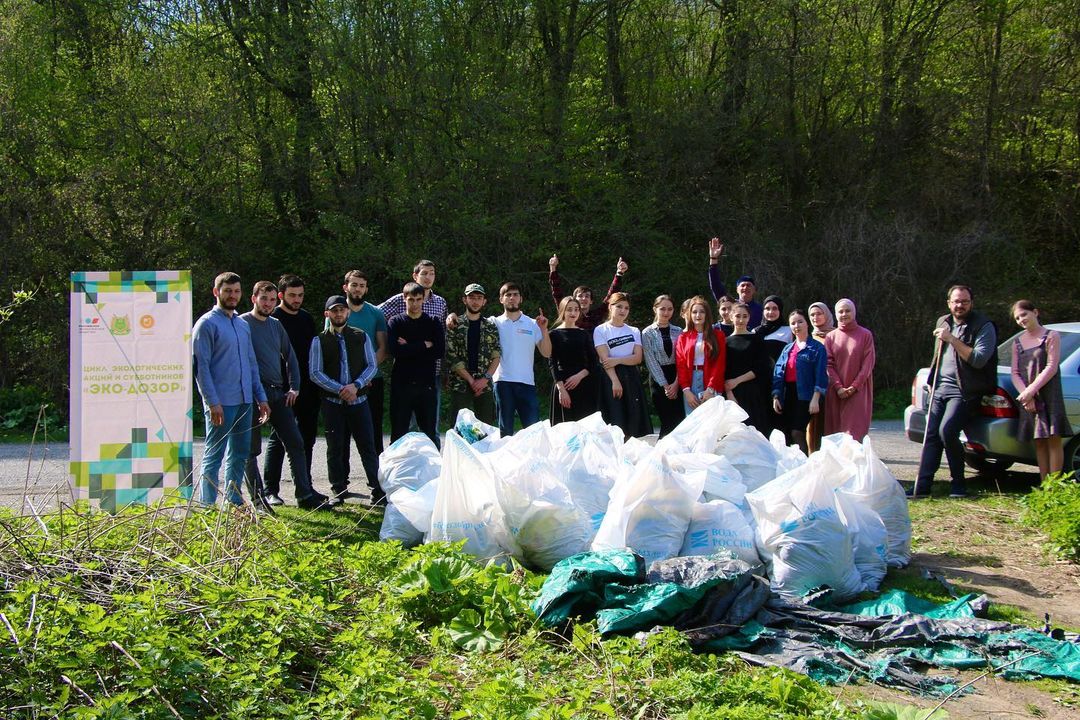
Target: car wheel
987, 466
1072, 456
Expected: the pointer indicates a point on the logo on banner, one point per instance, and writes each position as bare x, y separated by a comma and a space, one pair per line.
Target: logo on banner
121, 325
146, 322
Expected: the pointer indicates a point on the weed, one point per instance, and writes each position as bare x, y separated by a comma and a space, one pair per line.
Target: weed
1054, 507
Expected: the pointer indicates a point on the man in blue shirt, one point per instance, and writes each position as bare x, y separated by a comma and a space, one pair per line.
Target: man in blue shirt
342, 364
227, 374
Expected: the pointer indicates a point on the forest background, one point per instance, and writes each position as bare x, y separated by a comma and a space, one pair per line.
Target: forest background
873, 149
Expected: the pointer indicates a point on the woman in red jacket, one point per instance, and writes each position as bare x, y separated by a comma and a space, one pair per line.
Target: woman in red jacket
699, 355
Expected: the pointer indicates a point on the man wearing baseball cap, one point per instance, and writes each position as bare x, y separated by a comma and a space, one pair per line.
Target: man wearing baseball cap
342, 364
744, 286
472, 353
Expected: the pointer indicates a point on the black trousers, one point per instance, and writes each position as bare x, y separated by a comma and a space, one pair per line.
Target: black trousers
343, 422
671, 411
944, 422
408, 399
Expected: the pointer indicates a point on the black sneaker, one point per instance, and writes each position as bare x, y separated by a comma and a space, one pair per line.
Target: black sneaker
921, 495
273, 499
348, 495
378, 497
958, 491
316, 501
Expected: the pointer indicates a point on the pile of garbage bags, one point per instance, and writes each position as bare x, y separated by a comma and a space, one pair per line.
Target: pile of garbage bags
837, 519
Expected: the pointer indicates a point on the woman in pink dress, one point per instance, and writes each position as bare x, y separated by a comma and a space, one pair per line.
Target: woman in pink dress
851, 374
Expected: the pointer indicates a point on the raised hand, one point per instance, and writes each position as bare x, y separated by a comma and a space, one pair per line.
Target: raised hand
553, 262
541, 321
716, 248
621, 267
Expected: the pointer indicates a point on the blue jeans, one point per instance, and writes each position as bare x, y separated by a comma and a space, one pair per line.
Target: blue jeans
235, 435
288, 436
697, 386
511, 397
944, 422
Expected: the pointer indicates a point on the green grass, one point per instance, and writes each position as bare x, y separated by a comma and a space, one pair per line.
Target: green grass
302, 615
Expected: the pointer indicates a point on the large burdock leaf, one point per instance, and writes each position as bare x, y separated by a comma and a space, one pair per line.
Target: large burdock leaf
470, 631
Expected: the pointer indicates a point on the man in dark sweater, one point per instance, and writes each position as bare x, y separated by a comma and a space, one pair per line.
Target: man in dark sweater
272, 350
342, 363
591, 315
417, 341
300, 327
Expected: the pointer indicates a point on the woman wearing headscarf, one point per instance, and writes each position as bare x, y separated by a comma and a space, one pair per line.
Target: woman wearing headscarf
821, 324
821, 321
775, 335
850, 348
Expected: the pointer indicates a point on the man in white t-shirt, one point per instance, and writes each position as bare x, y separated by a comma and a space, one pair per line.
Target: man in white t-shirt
519, 334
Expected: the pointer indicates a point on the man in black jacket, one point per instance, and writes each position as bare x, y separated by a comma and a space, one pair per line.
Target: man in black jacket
964, 369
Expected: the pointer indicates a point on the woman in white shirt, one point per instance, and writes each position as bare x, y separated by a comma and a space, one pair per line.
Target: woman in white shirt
618, 345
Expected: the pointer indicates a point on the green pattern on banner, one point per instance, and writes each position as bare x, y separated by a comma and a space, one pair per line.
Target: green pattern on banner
131, 387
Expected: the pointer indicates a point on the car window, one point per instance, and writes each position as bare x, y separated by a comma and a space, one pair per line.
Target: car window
1070, 343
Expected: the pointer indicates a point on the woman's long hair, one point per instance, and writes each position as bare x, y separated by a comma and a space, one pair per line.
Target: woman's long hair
712, 348
560, 319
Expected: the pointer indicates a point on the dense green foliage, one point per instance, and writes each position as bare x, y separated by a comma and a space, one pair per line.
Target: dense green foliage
874, 149
1054, 507
146, 616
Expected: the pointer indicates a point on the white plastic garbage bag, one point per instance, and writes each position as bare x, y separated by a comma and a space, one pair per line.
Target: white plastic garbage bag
788, 457
472, 428
720, 525
411, 461
546, 523
877, 488
722, 480
466, 505
705, 427
801, 531
635, 450
416, 505
395, 526
590, 463
650, 511
751, 454
868, 541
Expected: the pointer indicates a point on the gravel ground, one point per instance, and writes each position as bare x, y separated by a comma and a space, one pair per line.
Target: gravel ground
40, 473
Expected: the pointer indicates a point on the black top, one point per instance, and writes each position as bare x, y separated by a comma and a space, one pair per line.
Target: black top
413, 361
472, 349
572, 351
747, 352
301, 331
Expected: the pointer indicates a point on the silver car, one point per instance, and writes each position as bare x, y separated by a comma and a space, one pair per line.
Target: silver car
990, 443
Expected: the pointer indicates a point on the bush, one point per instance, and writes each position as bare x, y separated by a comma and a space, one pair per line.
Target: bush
1054, 507
21, 406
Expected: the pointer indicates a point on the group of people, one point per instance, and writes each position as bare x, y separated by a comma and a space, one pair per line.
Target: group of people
809, 373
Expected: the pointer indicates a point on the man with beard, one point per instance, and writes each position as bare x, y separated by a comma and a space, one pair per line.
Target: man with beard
417, 342
434, 306
591, 315
272, 350
745, 285
472, 351
342, 362
964, 369
227, 374
365, 316
300, 327
519, 334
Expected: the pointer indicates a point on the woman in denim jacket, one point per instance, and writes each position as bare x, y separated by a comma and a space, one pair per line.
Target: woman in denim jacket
800, 380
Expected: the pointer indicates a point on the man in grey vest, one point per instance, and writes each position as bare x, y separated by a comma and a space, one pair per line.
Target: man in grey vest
342, 364
964, 369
